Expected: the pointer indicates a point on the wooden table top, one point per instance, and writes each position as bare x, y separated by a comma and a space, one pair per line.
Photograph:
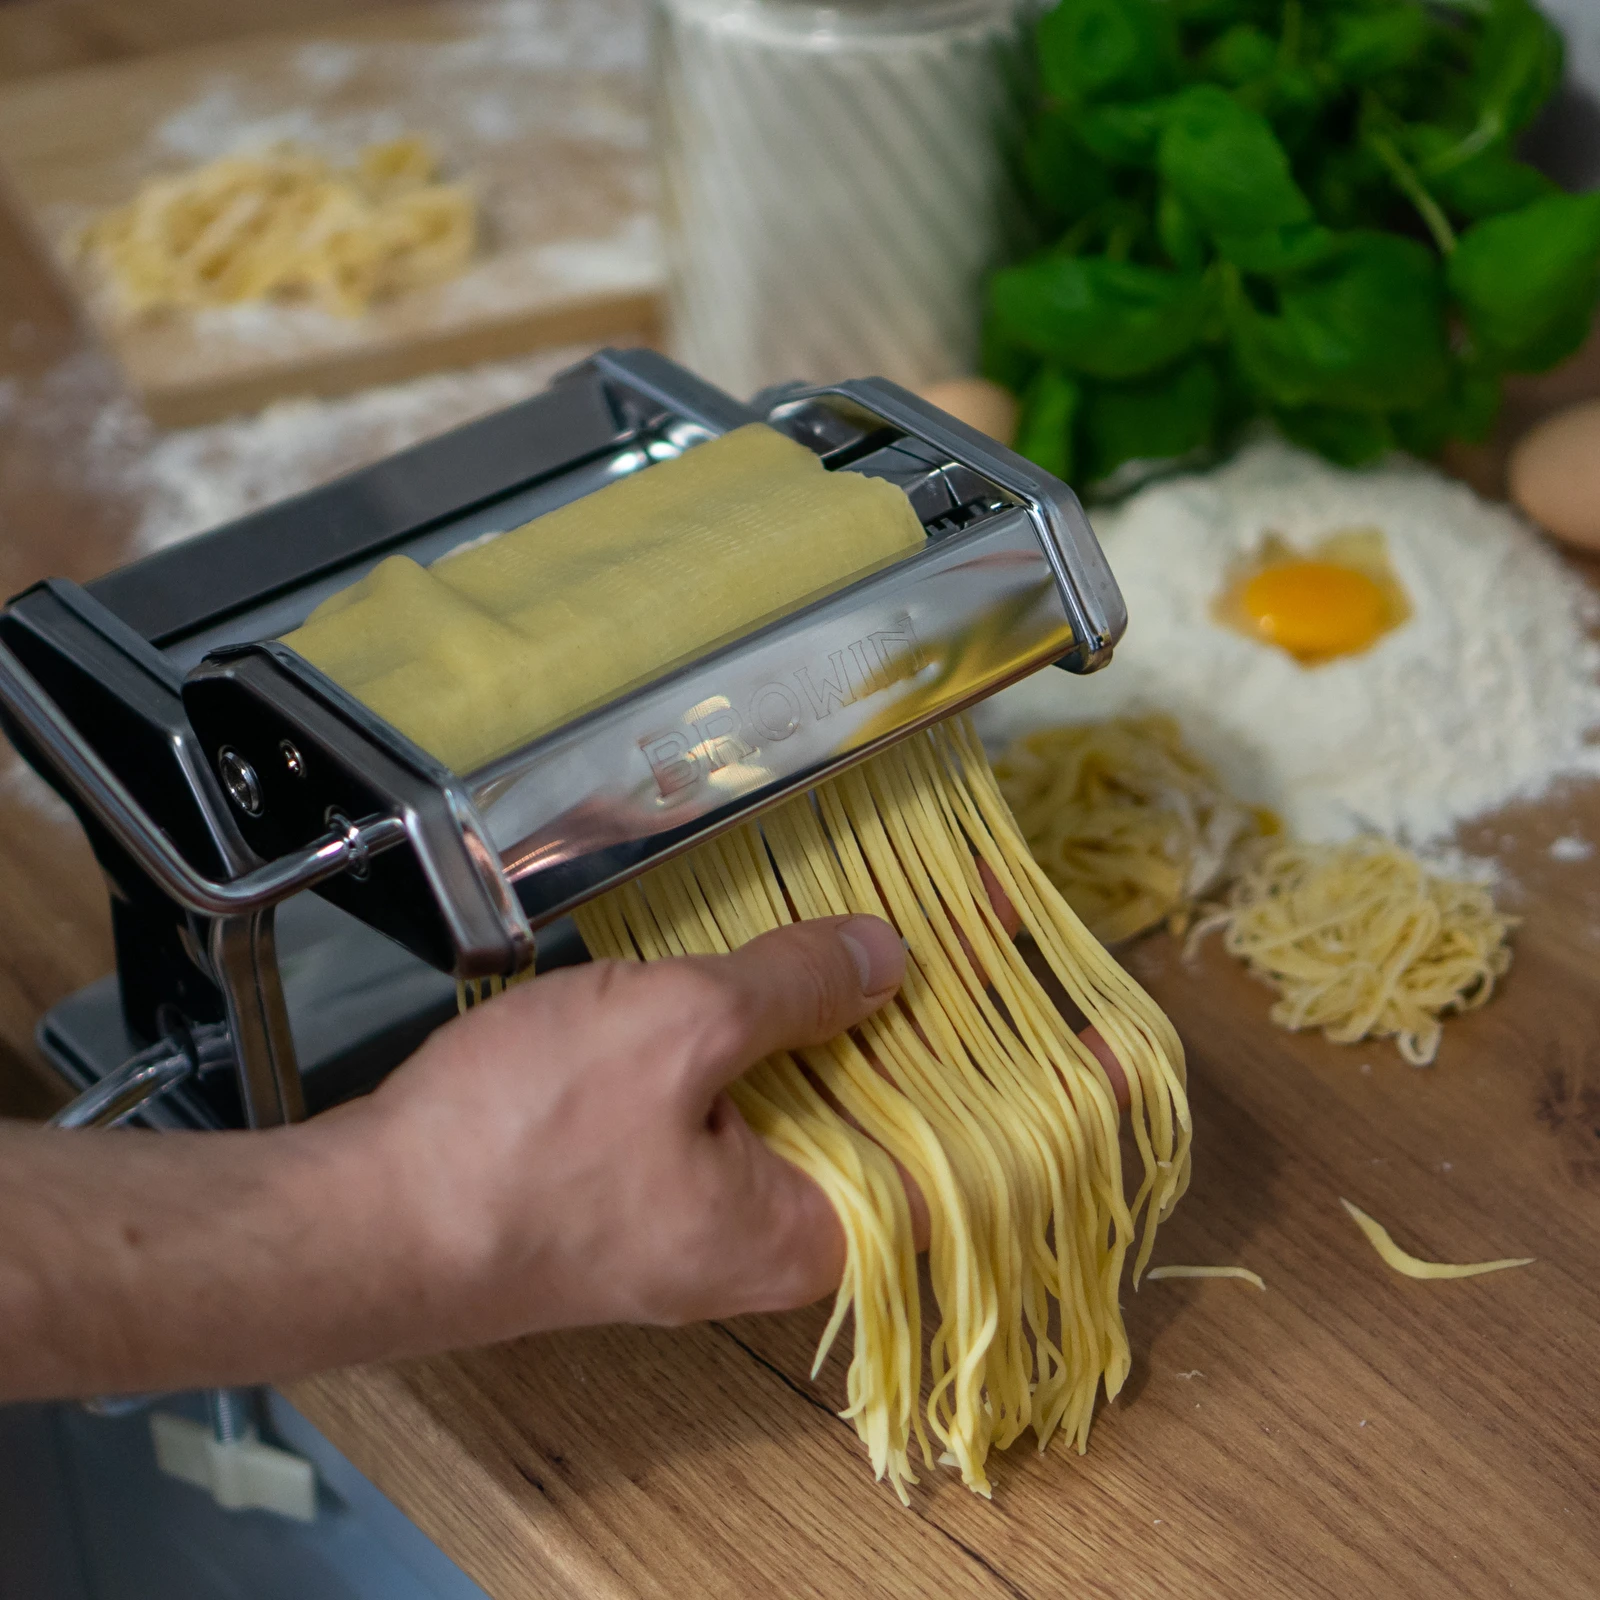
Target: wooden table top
1346, 1433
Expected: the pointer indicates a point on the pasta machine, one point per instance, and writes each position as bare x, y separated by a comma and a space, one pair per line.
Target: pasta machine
296, 888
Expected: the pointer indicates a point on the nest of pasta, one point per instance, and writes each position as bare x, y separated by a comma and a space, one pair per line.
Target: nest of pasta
1363, 940
1127, 821
285, 224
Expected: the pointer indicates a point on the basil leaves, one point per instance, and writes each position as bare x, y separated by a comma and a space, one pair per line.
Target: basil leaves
1306, 209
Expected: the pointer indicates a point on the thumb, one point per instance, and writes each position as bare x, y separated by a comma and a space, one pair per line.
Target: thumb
796, 986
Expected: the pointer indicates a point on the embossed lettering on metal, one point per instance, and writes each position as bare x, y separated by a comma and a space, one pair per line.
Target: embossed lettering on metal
775, 713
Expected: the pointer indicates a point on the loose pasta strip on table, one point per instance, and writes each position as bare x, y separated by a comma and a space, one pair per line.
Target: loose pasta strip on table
1156, 1274
1413, 1266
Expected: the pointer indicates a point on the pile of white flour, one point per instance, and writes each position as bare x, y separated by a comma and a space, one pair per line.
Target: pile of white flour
1488, 693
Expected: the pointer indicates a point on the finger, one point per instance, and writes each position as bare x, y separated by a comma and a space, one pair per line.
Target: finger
795, 986
1010, 921
1104, 1054
1010, 917
792, 1239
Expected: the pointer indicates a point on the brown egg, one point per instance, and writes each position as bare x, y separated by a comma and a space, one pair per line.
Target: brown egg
1554, 474
978, 403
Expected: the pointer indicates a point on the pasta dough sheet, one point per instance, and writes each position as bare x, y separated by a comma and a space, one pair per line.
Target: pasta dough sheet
497, 644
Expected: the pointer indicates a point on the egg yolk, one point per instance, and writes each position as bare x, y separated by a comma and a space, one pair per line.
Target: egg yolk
1314, 609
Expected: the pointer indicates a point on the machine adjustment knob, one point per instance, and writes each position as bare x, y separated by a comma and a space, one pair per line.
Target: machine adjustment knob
239, 779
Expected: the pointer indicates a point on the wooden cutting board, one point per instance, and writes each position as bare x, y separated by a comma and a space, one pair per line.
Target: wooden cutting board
540, 105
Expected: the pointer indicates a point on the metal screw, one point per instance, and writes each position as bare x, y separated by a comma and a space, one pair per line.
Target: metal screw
292, 759
239, 779
230, 1411
338, 822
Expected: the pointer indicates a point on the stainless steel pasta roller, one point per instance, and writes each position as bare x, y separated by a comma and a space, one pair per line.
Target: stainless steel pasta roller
220, 776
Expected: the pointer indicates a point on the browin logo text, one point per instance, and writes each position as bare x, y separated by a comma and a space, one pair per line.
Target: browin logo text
717, 732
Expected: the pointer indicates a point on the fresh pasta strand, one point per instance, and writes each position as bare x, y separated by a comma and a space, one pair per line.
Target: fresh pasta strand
982, 1092
1155, 1274
1413, 1266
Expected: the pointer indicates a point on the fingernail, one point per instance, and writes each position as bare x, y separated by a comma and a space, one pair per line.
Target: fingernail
876, 949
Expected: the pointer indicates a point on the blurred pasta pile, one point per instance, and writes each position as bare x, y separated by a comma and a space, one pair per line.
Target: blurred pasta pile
286, 224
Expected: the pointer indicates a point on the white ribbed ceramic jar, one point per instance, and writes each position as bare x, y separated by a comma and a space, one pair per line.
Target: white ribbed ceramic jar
835, 182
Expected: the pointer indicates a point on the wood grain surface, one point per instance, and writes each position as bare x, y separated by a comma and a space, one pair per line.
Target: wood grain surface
1346, 1433
555, 148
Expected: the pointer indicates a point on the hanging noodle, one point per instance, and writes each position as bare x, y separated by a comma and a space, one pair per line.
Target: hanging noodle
985, 1095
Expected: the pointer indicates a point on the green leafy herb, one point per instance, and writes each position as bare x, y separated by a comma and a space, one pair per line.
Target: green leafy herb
1363, 330
1226, 163
1105, 318
1045, 432
1167, 414
1516, 66
1486, 182
1348, 437
1364, 46
1306, 209
1526, 281
1107, 49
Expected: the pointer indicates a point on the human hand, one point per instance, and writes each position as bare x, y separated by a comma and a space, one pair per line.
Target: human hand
574, 1156
567, 1155
580, 1160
